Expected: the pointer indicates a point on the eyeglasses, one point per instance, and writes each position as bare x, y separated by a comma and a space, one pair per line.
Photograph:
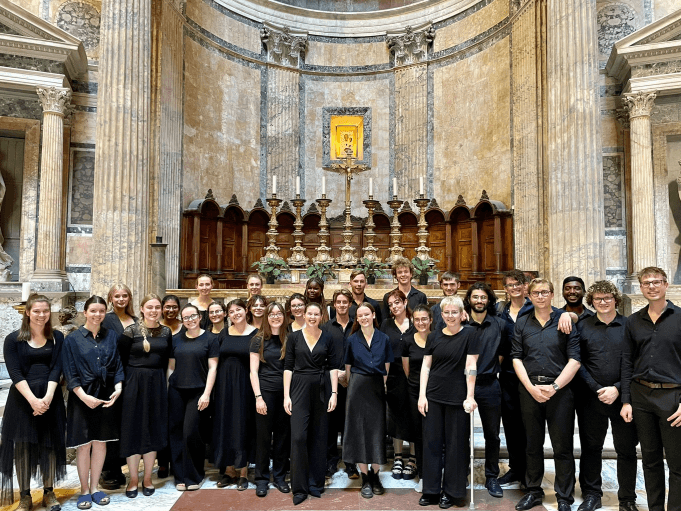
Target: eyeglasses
297, 305
275, 315
479, 298
543, 293
191, 318
513, 286
652, 283
421, 320
605, 299
450, 314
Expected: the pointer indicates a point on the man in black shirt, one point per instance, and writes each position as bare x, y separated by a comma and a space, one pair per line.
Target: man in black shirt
480, 303
597, 399
651, 387
358, 283
573, 292
545, 361
450, 284
403, 271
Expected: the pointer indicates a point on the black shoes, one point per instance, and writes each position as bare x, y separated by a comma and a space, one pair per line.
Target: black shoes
351, 471
398, 467
376, 486
299, 498
242, 484
225, 480
331, 469
628, 506
428, 499
591, 503
564, 506
148, 492
446, 501
261, 490
494, 488
131, 494
529, 501
367, 492
283, 487
509, 477
112, 481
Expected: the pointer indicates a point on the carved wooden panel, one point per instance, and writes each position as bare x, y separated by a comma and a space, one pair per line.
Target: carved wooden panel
285, 236
231, 241
382, 239
208, 238
257, 237
410, 240
487, 241
437, 238
311, 238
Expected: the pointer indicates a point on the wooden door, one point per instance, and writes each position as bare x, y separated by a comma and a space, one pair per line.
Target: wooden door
257, 237
231, 241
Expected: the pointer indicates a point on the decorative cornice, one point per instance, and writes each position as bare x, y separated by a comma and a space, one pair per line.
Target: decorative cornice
23, 26
27, 79
54, 100
639, 104
283, 47
411, 46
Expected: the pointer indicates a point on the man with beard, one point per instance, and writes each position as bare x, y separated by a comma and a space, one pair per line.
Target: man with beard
573, 293
403, 271
449, 283
480, 303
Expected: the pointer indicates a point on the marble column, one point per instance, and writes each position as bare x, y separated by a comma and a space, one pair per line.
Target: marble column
574, 207
121, 190
49, 261
640, 105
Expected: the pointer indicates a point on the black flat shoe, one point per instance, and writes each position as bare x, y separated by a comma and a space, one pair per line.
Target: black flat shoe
131, 494
529, 501
148, 492
299, 499
508, 478
428, 500
628, 506
591, 503
316, 493
225, 481
446, 501
242, 484
261, 491
283, 487
494, 488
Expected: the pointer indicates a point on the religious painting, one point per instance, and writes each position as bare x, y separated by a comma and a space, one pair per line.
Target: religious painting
347, 131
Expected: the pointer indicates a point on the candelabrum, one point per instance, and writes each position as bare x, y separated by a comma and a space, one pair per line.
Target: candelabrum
422, 252
272, 250
323, 251
298, 257
371, 252
347, 257
396, 251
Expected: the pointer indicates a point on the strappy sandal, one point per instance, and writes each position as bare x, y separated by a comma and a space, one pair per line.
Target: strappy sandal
84, 501
100, 498
409, 471
398, 468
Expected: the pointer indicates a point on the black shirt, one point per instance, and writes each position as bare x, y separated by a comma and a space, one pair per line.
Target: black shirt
491, 338
368, 359
587, 313
544, 350
271, 371
18, 361
414, 353
601, 351
112, 322
414, 298
438, 320
652, 351
191, 359
447, 381
390, 328
505, 314
339, 335
354, 305
299, 359
131, 347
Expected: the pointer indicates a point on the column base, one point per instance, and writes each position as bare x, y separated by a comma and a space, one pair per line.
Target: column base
49, 281
631, 285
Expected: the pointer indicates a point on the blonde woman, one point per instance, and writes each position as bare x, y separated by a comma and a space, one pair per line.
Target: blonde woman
204, 286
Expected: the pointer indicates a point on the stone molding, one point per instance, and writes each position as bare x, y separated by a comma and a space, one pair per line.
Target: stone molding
411, 47
53, 100
27, 80
639, 104
283, 47
623, 117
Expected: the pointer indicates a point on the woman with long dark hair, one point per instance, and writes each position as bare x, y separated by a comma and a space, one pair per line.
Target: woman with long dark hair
314, 293
170, 308
272, 424
35, 423
295, 308
217, 313
256, 306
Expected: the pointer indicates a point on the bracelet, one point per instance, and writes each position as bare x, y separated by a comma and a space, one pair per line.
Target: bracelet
259, 395
334, 392
471, 372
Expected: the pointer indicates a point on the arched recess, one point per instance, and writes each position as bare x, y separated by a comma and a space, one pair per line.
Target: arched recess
199, 243
437, 237
382, 239
232, 240
495, 238
461, 254
257, 236
285, 237
311, 234
409, 228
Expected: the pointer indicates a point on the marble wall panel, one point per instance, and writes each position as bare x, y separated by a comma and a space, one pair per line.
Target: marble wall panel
32, 6
80, 19
221, 143
10, 320
616, 20
81, 183
472, 128
470, 26
674, 172
663, 8
610, 131
78, 249
338, 54
83, 127
615, 252
612, 190
21, 108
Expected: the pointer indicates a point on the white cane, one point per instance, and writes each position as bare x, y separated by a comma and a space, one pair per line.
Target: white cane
471, 412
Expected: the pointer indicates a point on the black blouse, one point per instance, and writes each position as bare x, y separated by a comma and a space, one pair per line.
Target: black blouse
301, 360
390, 328
447, 381
111, 322
131, 347
17, 357
271, 371
414, 353
191, 359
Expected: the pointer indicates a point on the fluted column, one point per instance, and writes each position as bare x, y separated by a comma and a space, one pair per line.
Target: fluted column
121, 191
640, 105
55, 103
576, 234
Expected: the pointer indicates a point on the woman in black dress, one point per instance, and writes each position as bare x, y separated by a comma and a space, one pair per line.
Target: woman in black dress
170, 306
94, 378
144, 349
35, 422
314, 292
295, 308
400, 428
445, 399
310, 389
234, 411
256, 306
204, 286
194, 363
272, 424
217, 313
413, 349
368, 357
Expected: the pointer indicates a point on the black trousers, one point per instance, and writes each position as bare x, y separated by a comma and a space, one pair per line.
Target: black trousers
651, 408
417, 420
309, 431
514, 429
448, 425
187, 446
272, 430
559, 414
336, 426
488, 397
592, 418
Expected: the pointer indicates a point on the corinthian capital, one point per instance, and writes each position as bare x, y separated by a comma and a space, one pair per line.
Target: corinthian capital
54, 100
411, 46
283, 47
639, 104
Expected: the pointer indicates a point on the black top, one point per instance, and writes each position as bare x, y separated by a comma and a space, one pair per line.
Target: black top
18, 361
415, 354
271, 371
492, 340
390, 328
112, 322
504, 313
587, 313
438, 320
131, 347
545, 351
300, 360
652, 351
374, 303
89, 360
191, 359
339, 335
368, 359
601, 351
447, 381
414, 298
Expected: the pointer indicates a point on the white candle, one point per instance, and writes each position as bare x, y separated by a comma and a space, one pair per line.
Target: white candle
395, 186
371, 187
25, 291
323, 185
421, 185
274, 185
297, 185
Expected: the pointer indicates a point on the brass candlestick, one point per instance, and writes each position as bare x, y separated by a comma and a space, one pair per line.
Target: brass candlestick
323, 252
371, 252
396, 251
298, 257
272, 250
422, 252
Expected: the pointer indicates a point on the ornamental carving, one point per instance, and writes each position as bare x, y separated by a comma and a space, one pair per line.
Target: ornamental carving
639, 104
81, 20
283, 48
54, 100
412, 46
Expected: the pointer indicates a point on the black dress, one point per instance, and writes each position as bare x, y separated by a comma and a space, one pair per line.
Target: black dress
144, 402
414, 353
43, 435
399, 425
234, 411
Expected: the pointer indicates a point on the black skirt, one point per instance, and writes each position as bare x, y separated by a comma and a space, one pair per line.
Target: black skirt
86, 424
399, 423
364, 437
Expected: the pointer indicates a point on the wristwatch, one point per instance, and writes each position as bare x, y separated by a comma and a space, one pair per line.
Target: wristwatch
555, 386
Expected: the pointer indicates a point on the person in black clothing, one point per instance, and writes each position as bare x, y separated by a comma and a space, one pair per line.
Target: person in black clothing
314, 292
204, 286
545, 361
310, 390
295, 308
651, 387
339, 327
256, 306
358, 284
445, 398
597, 399
480, 303
35, 423
403, 271
94, 377
450, 284
144, 349
368, 356
272, 424
573, 293
193, 362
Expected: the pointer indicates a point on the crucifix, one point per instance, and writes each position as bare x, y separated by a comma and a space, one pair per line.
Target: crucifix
349, 168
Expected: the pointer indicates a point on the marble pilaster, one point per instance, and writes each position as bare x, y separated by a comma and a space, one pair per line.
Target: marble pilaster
640, 106
49, 254
576, 233
121, 190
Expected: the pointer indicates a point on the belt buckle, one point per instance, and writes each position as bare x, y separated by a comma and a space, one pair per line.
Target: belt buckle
542, 379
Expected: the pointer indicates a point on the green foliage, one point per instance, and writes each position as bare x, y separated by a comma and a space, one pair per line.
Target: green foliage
372, 268
271, 267
423, 267
321, 271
